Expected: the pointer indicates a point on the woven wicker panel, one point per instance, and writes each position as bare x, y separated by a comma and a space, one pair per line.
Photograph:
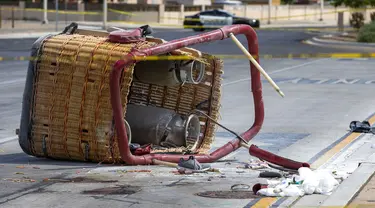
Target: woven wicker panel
71, 112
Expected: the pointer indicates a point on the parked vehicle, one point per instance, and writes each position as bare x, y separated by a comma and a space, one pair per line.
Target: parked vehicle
216, 18
227, 2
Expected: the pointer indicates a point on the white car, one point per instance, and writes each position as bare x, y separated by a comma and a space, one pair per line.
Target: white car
215, 19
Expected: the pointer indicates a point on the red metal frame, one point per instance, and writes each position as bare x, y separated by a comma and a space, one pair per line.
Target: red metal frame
256, 87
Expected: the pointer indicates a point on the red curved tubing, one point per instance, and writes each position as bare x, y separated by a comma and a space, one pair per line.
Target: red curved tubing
219, 34
275, 159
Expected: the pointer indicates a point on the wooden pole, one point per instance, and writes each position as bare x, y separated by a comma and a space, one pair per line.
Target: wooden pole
251, 58
169, 164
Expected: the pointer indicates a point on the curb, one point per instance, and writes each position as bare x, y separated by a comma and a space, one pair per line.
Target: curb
20, 34
318, 42
304, 26
342, 42
350, 187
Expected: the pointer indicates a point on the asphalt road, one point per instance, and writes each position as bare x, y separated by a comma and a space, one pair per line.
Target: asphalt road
322, 97
277, 42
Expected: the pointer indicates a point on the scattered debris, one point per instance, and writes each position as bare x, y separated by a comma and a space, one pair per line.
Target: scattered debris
78, 180
19, 173
138, 171
130, 171
240, 187
189, 166
215, 170
228, 194
189, 171
258, 187
305, 183
255, 165
36, 167
269, 174
176, 172
20, 167
180, 182
361, 127
282, 190
20, 180
341, 176
192, 164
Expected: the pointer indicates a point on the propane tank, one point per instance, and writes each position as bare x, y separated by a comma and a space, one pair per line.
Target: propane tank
162, 127
169, 72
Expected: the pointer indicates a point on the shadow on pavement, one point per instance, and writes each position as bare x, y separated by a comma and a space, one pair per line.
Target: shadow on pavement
22, 159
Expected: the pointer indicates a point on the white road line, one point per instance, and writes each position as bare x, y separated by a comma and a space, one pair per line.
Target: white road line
12, 63
8, 139
274, 72
12, 81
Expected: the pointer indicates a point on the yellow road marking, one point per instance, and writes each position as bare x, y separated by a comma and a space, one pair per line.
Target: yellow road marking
372, 120
341, 145
265, 202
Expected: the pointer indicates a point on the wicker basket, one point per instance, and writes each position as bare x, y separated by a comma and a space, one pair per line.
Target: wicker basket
66, 108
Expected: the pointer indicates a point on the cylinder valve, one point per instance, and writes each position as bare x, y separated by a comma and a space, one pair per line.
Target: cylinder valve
162, 127
169, 73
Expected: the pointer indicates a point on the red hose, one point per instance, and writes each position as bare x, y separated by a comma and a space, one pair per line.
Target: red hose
256, 88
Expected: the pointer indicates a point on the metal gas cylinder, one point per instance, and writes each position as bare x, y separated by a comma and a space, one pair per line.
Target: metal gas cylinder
169, 72
162, 127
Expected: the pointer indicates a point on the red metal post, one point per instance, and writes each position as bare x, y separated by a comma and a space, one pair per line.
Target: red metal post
256, 88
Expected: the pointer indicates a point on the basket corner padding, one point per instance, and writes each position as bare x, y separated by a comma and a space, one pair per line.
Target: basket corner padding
24, 131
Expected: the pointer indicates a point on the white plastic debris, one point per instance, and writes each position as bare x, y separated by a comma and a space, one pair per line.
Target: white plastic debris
268, 192
256, 164
288, 190
327, 183
292, 190
272, 183
340, 175
307, 182
283, 185
310, 180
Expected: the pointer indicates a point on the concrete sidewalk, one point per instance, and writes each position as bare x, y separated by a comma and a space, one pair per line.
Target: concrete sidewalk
365, 198
357, 161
